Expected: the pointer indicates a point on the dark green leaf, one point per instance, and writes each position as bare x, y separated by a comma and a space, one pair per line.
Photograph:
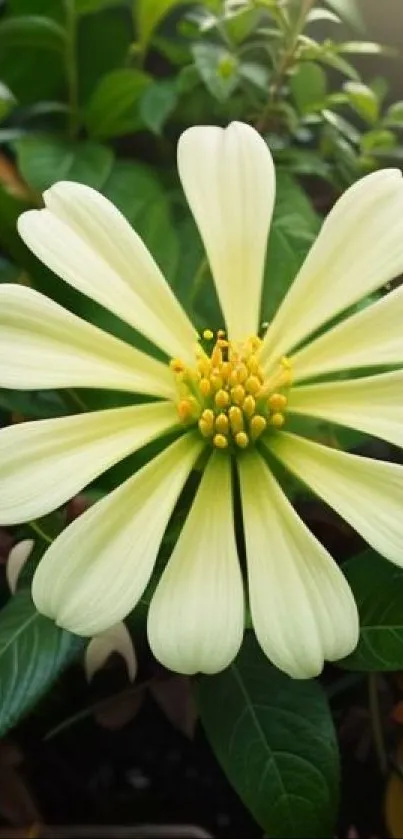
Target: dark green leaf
348, 10
44, 159
274, 738
7, 101
363, 99
32, 31
149, 14
308, 86
218, 68
85, 7
33, 652
157, 104
377, 586
103, 45
111, 110
294, 227
394, 116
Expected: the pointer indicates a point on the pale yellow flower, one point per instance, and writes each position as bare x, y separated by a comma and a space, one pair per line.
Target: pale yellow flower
228, 396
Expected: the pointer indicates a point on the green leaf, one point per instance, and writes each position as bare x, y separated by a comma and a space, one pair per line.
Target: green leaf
293, 230
275, 741
7, 101
308, 86
44, 159
103, 44
33, 652
85, 7
157, 104
379, 139
363, 100
111, 110
377, 586
342, 125
149, 14
218, 68
348, 10
32, 31
364, 48
394, 116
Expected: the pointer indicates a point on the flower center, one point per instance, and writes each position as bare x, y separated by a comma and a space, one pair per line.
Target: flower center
227, 392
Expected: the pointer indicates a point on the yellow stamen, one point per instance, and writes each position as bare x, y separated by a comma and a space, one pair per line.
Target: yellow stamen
241, 439
205, 387
252, 385
206, 430
220, 441
216, 381
229, 394
277, 401
176, 365
222, 398
257, 426
222, 424
238, 394
236, 419
249, 405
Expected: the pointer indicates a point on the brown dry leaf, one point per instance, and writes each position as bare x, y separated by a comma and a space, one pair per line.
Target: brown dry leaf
121, 709
11, 180
17, 805
174, 697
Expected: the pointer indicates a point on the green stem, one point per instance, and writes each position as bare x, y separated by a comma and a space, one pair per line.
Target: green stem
284, 65
71, 66
39, 532
376, 722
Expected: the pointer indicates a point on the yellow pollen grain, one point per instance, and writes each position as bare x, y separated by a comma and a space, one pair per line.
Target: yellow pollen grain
208, 334
257, 426
238, 394
221, 333
242, 372
236, 419
277, 401
205, 387
277, 420
222, 424
241, 439
220, 441
222, 398
252, 384
249, 405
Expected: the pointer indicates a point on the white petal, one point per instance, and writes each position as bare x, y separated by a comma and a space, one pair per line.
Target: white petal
358, 249
371, 337
116, 639
97, 569
303, 611
373, 404
86, 241
43, 345
44, 463
229, 181
367, 493
16, 561
196, 617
